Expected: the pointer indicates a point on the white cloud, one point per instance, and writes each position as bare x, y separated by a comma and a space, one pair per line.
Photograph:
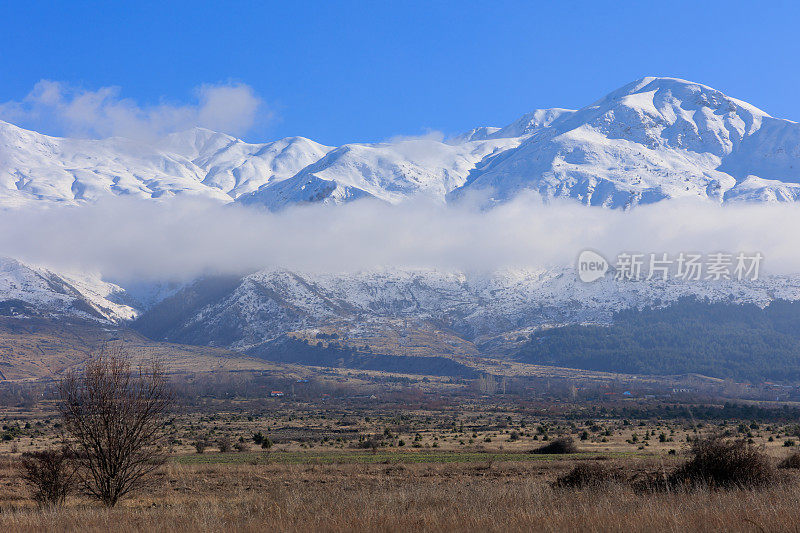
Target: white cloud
183, 238
57, 108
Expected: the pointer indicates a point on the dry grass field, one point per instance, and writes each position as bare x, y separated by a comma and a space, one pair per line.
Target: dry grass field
469, 474
357, 450
469, 496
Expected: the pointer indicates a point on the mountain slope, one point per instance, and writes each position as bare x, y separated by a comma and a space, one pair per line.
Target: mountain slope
654, 139
29, 291
43, 348
392, 172
743, 342
474, 308
38, 169
239, 168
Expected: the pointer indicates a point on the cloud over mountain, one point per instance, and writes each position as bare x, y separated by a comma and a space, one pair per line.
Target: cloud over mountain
180, 239
55, 107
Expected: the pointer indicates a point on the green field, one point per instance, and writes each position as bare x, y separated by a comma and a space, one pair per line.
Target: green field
359, 457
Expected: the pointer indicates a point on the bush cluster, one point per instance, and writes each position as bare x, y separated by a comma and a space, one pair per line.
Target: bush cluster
719, 463
714, 463
558, 446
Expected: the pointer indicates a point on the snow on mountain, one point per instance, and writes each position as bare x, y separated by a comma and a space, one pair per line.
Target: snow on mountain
31, 291
239, 168
475, 134
42, 169
243, 312
653, 139
261, 306
39, 168
392, 172
527, 124
532, 122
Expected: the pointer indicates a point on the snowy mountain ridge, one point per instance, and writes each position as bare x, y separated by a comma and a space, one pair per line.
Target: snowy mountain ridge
651, 140
28, 291
261, 306
244, 312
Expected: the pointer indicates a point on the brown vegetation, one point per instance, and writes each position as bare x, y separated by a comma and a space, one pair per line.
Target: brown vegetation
412, 497
720, 463
792, 461
50, 473
558, 446
346, 450
589, 475
114, 418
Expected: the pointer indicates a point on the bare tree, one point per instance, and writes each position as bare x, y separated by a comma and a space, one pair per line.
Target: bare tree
114, 419
50, 473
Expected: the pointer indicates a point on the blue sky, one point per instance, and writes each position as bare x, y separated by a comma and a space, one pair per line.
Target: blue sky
359, 71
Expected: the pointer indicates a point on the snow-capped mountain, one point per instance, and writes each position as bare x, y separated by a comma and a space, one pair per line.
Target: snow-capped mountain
239, 168
653, 139
36, 168
243, 312
261, 306
392, 172
28, 291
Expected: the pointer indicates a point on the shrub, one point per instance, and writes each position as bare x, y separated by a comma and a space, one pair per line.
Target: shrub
241, 446
371, 443
562, 445
718, 463
224, 445
50, 473
200, 446
593, 475
793, 461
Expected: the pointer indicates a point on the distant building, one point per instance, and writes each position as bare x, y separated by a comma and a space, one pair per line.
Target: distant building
276, 393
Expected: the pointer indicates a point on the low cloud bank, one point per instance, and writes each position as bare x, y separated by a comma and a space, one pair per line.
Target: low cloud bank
127, 239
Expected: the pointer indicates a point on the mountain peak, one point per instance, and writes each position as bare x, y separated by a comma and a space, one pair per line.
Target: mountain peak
651, 139
691, 95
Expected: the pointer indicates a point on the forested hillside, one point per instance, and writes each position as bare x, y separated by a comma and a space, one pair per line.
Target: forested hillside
715, 339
